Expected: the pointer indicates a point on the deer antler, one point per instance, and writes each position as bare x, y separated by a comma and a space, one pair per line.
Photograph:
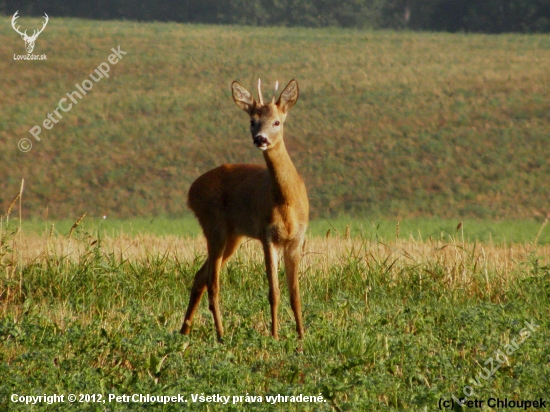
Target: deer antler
275, 91
43, 26
35, 32
15, 17
260, 92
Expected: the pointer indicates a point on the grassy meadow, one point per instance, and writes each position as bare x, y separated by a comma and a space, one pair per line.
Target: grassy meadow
396, 324
426, 161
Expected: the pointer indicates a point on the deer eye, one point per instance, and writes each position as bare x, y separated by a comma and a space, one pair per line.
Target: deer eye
252, 123
277, 123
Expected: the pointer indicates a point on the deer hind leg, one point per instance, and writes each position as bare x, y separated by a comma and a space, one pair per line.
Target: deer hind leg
292, 257
202, 281
231, 246
271, 264
219, 253
197, 290
215, 257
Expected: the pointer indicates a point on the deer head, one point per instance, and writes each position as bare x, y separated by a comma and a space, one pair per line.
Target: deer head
266, 120
29, 40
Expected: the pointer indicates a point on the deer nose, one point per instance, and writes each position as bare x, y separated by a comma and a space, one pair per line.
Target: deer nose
260, 140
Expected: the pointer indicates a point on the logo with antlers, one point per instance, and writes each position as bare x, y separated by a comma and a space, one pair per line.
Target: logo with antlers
29, 40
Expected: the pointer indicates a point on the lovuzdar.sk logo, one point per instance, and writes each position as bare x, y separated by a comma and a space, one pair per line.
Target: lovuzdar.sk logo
29, 40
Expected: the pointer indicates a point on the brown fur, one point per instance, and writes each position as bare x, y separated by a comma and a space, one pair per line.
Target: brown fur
265, 203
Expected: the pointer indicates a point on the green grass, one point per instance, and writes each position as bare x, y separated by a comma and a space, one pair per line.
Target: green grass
382, 332
391, 125
472, 230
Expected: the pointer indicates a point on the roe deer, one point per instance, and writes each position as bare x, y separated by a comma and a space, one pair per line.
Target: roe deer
265, 203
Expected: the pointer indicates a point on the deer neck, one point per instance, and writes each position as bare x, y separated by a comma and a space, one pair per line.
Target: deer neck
284, 177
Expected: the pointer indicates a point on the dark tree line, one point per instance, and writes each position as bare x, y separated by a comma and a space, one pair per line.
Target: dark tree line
489, 16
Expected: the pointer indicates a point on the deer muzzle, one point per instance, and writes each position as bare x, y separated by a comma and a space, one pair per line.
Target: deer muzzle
261, 142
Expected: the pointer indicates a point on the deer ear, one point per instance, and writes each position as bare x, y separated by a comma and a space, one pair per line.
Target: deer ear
242, 97
289, 96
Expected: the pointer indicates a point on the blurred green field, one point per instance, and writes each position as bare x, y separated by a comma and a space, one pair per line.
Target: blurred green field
389, 125
420, 229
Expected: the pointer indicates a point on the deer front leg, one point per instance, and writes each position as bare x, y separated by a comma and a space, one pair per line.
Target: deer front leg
271, 264
292, 258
